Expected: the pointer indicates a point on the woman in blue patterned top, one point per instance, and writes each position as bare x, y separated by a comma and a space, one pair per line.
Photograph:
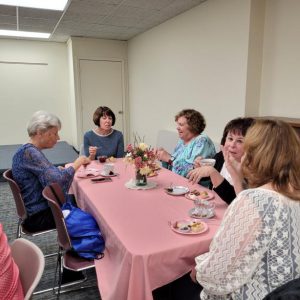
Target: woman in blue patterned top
193, 142
32, 171
103, 140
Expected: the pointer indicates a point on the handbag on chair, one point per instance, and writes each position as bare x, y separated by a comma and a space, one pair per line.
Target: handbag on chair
87, 240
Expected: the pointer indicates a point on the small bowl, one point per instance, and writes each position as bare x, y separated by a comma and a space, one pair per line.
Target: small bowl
102, 158
207, 162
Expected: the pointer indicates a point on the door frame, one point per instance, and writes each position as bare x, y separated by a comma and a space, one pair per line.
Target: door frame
124, 81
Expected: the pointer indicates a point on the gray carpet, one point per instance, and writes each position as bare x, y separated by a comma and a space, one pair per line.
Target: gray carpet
48, 244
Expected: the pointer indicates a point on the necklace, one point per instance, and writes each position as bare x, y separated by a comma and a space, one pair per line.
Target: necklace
105, 133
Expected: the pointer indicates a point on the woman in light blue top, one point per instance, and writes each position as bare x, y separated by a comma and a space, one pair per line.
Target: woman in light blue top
193, 143
103, 140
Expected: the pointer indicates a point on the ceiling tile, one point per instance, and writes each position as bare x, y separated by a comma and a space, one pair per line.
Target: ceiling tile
108, 19
7, 10
146, 4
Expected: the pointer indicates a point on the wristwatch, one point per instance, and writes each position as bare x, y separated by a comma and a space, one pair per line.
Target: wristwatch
170, 161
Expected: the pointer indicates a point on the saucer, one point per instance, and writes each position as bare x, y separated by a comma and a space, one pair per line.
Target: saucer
109, 175
177, 190
193, 214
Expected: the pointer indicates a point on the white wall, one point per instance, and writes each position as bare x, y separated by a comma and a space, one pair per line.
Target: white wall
195, 60
33, 76
280, 92
255, 56
208, 58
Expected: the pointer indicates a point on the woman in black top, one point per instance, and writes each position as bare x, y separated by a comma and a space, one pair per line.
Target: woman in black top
225, 176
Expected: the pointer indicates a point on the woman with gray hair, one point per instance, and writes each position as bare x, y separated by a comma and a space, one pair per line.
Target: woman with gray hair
32, 171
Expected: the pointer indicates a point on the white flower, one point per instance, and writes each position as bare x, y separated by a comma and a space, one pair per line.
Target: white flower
145, 170
143, 146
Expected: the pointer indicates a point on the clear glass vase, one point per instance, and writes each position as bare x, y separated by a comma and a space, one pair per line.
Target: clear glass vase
140, 180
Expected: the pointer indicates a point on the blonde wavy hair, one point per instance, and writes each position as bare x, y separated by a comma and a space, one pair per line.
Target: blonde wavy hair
272, 155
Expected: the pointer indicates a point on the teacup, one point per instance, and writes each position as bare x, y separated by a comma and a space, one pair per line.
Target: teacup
204, 208
108, 169
207, 162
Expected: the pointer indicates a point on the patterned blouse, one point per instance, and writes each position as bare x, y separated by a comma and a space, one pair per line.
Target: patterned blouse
32, 171
255, 250
185, 154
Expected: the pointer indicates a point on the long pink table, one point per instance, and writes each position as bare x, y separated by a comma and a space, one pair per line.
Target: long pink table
142, 252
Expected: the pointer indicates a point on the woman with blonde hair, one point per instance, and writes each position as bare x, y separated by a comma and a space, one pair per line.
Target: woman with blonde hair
256, 248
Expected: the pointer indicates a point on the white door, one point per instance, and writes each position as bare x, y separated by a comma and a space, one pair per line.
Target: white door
101, 84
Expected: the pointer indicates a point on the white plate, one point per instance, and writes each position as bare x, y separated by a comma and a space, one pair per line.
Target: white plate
192, 196
207, 162
177, 190
208, 215
88, 173
109, 175
187, 229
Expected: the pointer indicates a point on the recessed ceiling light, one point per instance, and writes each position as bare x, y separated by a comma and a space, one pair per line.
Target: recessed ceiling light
29, 34
42, 4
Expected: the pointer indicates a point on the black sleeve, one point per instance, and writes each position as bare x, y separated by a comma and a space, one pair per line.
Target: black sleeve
226, 191
218, 166
219, 161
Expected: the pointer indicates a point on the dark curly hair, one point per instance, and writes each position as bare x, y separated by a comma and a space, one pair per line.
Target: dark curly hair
194, 119
237, 126
103, 111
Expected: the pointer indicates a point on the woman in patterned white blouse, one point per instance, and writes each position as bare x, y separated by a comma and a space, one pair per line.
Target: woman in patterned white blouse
257, 247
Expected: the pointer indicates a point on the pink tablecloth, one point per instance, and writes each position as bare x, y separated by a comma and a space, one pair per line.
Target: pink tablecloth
142, 252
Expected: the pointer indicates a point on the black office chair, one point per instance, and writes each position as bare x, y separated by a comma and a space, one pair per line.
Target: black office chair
288, 291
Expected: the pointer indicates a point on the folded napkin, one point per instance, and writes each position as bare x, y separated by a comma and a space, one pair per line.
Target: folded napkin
88, 173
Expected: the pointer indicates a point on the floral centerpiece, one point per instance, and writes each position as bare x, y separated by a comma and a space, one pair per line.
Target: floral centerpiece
143, 158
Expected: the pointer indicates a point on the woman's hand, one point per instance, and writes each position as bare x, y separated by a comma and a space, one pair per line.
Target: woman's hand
162, 154
196, 174
193, 275
234, 169
197, 163
92, 152
81, 160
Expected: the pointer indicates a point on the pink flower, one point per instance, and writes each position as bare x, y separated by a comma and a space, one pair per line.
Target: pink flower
141, 156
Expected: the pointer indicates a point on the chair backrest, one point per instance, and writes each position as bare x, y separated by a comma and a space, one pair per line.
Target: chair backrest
31, 262
55, 197
167, 139
81, 150
21, 210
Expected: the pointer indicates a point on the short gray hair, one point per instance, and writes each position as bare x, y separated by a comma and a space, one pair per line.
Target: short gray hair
42, 121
